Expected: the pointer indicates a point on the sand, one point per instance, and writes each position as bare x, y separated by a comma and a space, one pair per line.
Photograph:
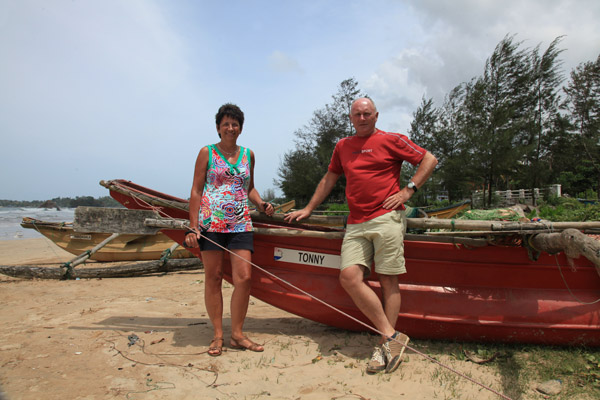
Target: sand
147, 337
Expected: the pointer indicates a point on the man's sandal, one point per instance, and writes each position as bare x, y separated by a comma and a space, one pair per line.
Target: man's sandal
246, 344
216, 349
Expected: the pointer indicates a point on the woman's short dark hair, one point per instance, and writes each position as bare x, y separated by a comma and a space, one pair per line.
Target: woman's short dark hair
231, 111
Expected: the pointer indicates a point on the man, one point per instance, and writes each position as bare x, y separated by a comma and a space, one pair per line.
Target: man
371, 161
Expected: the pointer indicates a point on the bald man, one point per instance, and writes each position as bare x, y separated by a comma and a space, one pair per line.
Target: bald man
371, 160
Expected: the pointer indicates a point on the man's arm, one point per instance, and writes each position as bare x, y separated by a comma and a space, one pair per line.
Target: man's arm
424, 171
321, 192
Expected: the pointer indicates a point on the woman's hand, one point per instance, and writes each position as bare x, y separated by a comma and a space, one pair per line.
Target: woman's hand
268, 208
191, 238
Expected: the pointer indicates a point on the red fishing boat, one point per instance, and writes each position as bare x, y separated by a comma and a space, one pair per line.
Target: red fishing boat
455, 288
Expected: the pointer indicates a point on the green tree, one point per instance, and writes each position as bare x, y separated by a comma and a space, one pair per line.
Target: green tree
511, 128
84, 201
542, 110
495, 117
583, 105
423, 131
423, 127
298, 172
457, 179
303, 167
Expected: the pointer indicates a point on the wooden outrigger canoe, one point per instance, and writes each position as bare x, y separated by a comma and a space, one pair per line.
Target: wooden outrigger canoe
496, 286
446, 212
126, 247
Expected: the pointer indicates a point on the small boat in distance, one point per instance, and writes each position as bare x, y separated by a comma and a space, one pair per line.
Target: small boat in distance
445, 212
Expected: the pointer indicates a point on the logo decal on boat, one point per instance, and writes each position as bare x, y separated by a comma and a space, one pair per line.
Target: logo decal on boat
81, 237
307, 258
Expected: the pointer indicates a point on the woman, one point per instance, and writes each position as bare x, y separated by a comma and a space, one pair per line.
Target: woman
223, 184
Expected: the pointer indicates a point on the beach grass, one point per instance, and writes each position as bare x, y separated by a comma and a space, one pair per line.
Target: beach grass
521, 368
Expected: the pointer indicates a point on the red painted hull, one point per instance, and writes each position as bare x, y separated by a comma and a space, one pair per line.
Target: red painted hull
450, 292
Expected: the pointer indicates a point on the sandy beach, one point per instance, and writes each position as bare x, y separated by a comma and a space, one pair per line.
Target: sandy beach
147, 337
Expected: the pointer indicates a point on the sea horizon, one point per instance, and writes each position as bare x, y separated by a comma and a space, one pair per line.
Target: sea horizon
11, 217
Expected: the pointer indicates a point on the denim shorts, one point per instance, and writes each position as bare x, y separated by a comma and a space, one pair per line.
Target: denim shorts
230, 241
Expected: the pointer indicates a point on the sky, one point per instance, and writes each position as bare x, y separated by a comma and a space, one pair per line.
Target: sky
128, 89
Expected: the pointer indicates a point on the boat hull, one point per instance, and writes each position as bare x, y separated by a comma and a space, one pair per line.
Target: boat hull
451, 292
126, 247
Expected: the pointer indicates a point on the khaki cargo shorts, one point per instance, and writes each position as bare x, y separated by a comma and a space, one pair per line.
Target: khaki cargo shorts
380, 240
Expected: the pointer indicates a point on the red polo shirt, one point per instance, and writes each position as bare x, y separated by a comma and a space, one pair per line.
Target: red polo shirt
372, 167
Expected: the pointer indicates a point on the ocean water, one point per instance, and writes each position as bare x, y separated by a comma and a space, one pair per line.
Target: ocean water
11, 217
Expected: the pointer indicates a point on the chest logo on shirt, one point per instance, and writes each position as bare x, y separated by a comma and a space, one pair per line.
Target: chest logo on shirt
363, 151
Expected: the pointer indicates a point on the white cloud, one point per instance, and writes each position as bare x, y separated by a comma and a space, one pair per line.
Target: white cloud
109, 85
83, 82
283, 63
452, 40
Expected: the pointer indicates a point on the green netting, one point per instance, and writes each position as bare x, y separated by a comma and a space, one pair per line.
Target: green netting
500, 214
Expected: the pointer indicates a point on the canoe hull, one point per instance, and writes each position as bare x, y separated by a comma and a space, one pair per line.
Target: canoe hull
123, 248
451, 292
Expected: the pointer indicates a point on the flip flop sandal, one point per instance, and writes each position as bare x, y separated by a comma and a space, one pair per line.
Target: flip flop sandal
246, 344
216, 350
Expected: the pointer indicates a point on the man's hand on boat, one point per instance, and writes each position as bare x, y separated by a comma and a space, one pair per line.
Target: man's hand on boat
296, 216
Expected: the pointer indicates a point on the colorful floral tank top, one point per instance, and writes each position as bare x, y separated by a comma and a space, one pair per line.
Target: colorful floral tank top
225, 198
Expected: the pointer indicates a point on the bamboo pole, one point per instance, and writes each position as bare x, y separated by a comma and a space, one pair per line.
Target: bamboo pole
450, 224
477, 225
340, 235
168, 253
85, 256
330, 220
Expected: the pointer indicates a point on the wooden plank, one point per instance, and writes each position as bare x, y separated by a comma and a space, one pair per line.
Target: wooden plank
113, 220
140, 222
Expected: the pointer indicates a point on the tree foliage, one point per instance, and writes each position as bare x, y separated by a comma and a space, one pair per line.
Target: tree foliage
541, 107
64, 202
513, 127
303, 167
583, 103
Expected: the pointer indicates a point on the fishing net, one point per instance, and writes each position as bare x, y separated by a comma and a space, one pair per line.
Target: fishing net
499, 214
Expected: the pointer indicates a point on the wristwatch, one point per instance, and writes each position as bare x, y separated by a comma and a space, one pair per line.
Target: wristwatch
411, 185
